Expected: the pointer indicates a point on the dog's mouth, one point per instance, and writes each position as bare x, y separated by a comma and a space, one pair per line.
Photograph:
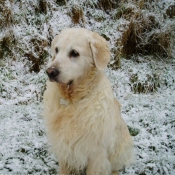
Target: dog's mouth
60, 82
70, 82
52, 79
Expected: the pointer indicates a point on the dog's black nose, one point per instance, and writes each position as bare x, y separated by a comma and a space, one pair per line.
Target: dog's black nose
52, 72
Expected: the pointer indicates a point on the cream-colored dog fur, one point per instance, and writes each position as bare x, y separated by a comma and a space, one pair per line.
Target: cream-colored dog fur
82, 117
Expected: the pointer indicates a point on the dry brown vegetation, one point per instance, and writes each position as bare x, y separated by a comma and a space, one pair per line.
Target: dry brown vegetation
11, 45
42, 7
108, 4
170, 11
151, 84
6, 14
143, 33
7, 42
36, 56
76, 14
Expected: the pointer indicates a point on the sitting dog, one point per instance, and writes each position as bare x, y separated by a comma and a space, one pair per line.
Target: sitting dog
82, 117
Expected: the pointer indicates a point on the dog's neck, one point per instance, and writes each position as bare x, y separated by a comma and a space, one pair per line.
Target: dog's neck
80, 89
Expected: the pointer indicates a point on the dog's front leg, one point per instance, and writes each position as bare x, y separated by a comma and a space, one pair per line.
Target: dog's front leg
64, 170
99, 165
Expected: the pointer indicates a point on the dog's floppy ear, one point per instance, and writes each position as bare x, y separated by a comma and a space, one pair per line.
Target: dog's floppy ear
100, 51
53, 46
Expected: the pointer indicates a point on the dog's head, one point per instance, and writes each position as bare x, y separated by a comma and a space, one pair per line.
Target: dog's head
74, 52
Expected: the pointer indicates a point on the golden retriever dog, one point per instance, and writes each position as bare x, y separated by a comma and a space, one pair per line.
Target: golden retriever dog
82, 117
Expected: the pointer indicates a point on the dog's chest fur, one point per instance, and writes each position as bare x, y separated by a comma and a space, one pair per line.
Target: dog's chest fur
80, 122
77, 129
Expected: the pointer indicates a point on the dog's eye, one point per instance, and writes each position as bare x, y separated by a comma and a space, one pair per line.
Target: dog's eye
56, 50
73, 53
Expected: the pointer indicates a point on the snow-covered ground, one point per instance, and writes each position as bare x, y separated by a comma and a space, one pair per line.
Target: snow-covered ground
150, 115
